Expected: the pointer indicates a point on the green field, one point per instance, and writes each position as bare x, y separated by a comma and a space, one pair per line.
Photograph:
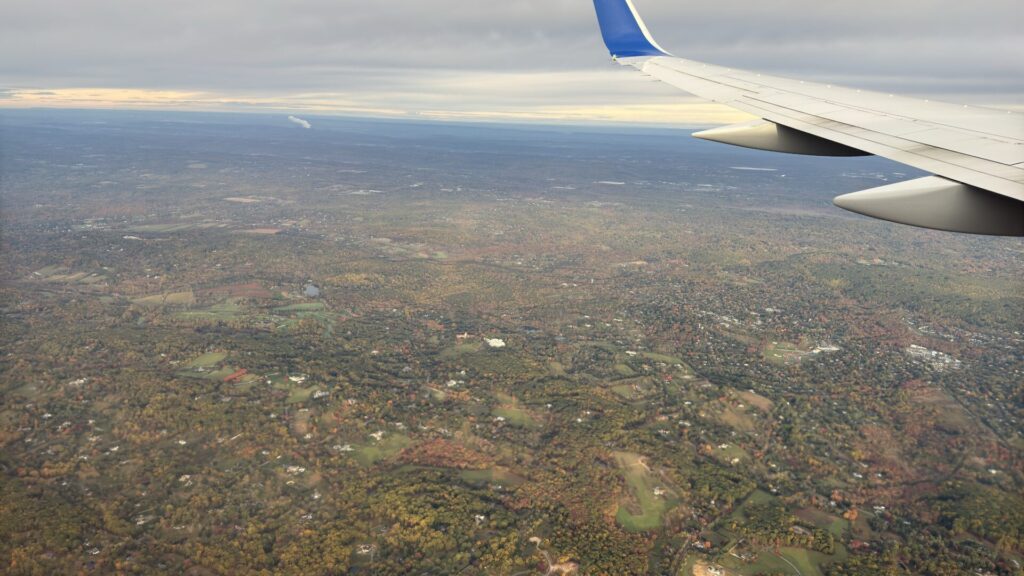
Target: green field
297, 394
731, 453
655, 357
168, 299
669, 360
834, 524
306, 307
48, 271
227, 310
633, 390
208, 360
247, 382
515, 416
297, 313
758, 497
626, 391
209, 366
624, 370
460, 349
279, 381
766, 563
437, 394
512, 412
221, 374
389, 446
491, 476
606, 346
59, 274
645, 510
789, 561
688, 565
809, 562
784, 353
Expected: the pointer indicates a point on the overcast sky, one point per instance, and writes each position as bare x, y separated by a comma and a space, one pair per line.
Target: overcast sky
532, 59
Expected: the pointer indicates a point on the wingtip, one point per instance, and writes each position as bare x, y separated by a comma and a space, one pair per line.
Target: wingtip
624, 32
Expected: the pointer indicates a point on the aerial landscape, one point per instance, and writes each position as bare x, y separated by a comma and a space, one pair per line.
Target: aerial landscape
255, 344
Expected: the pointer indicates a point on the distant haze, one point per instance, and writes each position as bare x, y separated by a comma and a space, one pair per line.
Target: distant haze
511, 60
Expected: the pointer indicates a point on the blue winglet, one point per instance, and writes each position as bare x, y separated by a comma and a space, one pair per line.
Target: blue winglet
624, 32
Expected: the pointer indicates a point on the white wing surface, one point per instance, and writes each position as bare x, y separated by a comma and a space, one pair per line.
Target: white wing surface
976, 154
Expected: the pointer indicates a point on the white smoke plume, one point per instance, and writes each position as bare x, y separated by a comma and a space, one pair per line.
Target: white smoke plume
300, 122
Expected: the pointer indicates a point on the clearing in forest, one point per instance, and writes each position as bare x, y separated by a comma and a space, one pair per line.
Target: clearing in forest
186, 298
834, 524
649, 499
388, 446
227, 310
305, 307
757, 401
512, 411
208, 360
495, 476
785, 353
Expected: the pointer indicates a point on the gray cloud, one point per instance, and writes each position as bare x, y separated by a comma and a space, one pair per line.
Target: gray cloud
470, 54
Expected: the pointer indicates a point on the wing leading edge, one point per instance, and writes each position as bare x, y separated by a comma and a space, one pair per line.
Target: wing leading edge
976, 154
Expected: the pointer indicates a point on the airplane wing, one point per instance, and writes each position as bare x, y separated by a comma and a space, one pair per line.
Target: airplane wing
975, 154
